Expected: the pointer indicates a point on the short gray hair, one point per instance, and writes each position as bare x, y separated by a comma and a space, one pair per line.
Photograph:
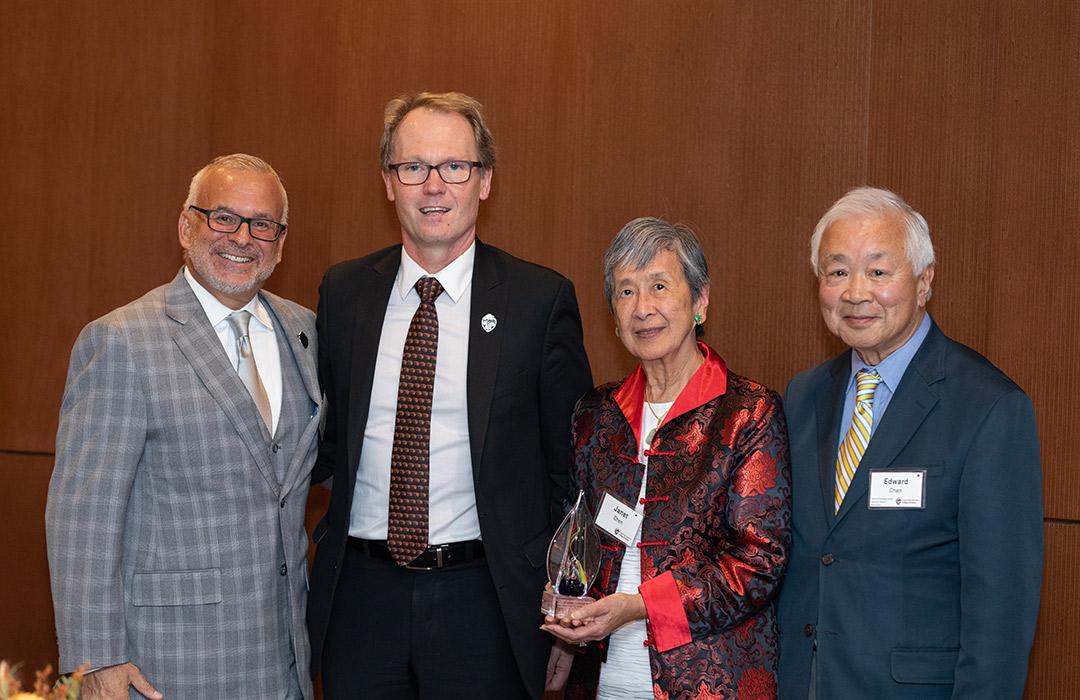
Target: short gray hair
237, 161
873, 202
638, 243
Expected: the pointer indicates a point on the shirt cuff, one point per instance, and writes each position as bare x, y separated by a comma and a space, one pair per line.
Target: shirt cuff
668, 626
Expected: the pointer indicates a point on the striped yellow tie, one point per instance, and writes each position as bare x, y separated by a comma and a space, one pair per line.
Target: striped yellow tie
858, 435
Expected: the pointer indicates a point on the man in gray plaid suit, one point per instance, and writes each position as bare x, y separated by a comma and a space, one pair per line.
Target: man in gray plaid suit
187, 436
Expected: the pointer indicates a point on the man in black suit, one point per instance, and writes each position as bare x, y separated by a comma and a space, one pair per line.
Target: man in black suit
430, 561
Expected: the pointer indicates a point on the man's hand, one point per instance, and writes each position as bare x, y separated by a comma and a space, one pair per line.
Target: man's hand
111, 683
558, 668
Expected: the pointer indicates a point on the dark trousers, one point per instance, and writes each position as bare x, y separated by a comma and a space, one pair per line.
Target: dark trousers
396, 633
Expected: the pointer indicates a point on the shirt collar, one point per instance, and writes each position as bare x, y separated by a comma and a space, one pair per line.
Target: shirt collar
708, 382
455, 278
892, 368
217, 312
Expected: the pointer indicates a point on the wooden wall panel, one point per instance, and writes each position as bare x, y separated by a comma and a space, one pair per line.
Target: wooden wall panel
929, 85
977, 128
684, 112
26, 613
679, 112
1035, 209
102, 114
745, 120
276, 84
48, 107
1053, 673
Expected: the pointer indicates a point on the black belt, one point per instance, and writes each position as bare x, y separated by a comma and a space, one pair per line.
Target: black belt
436, 556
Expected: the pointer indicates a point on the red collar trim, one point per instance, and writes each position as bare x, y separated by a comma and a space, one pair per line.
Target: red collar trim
708, 382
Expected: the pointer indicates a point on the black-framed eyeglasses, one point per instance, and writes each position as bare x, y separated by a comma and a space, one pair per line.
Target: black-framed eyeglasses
225, 221
452, 172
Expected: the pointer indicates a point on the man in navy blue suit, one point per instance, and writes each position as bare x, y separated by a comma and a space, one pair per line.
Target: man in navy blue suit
917, 555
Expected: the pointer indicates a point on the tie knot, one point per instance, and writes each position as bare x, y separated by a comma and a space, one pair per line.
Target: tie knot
429, 289
239, 321
866, 381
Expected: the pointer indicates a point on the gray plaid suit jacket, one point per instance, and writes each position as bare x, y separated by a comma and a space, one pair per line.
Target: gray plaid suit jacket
171, 542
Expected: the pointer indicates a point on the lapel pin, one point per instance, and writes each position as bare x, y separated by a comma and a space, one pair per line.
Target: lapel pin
303, 338
488, 323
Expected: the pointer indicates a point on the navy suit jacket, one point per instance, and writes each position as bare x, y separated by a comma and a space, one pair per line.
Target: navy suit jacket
924, 603
523, 380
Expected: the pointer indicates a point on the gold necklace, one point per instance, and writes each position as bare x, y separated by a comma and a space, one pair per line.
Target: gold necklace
659, 420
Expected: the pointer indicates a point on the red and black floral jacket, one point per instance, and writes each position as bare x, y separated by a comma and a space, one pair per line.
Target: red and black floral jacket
715, 536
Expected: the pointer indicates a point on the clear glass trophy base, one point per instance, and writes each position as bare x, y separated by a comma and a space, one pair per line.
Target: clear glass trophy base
558, 605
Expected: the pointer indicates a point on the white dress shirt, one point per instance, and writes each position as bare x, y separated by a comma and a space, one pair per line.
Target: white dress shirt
260, 333
451, 497
626, 674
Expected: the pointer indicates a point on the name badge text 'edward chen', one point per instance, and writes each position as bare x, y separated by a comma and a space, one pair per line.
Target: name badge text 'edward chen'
897, 489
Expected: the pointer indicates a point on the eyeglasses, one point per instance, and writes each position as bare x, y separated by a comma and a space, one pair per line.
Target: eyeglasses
225, 221
452, 172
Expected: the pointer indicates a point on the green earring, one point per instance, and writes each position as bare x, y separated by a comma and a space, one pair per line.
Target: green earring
697, 319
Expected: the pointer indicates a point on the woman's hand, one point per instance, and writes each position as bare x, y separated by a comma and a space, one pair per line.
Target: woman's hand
597, 620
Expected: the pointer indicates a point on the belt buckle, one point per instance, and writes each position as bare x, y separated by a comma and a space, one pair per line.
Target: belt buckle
439, 562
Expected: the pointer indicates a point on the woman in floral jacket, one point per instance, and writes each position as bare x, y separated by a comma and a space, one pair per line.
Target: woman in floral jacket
685, 605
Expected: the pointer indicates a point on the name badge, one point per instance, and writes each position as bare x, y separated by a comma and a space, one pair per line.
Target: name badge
892, 489
618, 519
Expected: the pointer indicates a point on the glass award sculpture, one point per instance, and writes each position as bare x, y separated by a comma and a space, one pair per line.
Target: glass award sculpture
573, 561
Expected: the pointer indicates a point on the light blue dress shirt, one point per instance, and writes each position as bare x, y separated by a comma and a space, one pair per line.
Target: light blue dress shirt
891, 369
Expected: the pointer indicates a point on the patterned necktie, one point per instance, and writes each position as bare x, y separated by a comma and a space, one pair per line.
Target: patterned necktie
407, 526
249, 373
858, 435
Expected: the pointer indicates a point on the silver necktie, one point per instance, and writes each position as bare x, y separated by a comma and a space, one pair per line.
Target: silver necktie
249, 373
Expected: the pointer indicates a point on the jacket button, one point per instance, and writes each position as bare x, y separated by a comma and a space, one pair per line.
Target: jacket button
283, 570
275, 447
283, 503
827, 560
808, 630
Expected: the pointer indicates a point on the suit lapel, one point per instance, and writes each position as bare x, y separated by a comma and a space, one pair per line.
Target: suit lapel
829, 407
292, 326
369, 307
304, 359
488, 297
912, 402
199, 344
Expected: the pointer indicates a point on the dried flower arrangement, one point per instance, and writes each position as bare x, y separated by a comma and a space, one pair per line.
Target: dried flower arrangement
65, 688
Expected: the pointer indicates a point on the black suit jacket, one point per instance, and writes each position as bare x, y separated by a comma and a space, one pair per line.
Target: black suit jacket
523, 380
924, 603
